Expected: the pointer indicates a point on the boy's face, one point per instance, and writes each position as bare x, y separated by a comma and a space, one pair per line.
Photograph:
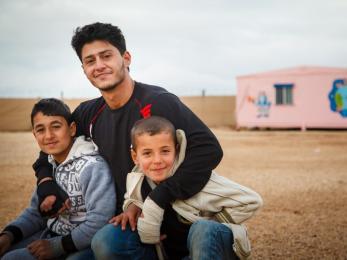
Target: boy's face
155, 155
53, 135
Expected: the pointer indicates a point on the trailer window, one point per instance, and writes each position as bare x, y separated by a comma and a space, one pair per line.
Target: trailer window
284, 94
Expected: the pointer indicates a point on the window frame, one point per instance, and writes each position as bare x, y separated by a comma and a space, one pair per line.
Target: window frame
284, 94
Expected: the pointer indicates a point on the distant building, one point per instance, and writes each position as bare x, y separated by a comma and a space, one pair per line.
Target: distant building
301, 97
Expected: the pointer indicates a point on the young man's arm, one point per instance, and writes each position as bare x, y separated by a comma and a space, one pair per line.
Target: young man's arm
46, 186
203, 152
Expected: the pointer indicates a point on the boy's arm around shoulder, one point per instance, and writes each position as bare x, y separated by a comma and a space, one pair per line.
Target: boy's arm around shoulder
100, 201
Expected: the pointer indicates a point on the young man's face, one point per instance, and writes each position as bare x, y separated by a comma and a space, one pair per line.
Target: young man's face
103, 64
155, 155
53, 135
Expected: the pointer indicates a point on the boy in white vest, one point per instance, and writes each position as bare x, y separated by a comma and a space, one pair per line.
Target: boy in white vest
186, 227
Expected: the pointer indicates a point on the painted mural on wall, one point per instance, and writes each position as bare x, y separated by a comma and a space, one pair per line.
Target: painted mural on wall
338, 97
263, 104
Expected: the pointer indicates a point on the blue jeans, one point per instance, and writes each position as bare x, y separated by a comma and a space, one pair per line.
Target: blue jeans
112, 242
206, 240
19, 251
210, 240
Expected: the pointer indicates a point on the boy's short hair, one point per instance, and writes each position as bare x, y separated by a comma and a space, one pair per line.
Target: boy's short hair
98, 31
51, 107
152, 125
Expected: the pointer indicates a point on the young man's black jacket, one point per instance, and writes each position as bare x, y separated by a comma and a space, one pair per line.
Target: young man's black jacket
110, 131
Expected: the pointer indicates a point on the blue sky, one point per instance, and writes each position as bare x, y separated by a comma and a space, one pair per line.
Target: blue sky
184, 46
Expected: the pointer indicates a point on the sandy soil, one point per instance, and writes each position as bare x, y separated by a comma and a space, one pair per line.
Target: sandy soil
300, 175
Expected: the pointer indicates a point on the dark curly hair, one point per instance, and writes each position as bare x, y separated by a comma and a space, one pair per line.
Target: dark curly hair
98, 31
51, 107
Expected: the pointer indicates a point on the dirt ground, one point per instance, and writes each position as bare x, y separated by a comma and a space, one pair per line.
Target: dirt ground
302, 177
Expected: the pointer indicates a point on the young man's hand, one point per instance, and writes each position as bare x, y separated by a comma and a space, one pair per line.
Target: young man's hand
52, 199
5, 243
47, 205
131, 214
41, 249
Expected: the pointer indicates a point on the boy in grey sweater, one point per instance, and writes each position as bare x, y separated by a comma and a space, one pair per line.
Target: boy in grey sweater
78, 170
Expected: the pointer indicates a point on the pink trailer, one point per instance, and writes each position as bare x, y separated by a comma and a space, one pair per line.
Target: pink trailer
301, 97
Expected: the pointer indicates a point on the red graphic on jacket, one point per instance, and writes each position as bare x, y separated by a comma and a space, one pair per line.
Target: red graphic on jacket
146, 111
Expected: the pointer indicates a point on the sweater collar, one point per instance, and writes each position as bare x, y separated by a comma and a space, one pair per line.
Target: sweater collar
80, 147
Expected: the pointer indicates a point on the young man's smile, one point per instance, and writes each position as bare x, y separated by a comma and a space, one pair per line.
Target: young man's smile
104, 65
103, 74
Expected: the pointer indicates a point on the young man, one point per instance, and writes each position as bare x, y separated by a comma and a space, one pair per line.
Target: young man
158, 150
79, 171
108, 120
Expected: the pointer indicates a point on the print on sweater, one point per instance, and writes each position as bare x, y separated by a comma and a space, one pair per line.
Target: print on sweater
68, 177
